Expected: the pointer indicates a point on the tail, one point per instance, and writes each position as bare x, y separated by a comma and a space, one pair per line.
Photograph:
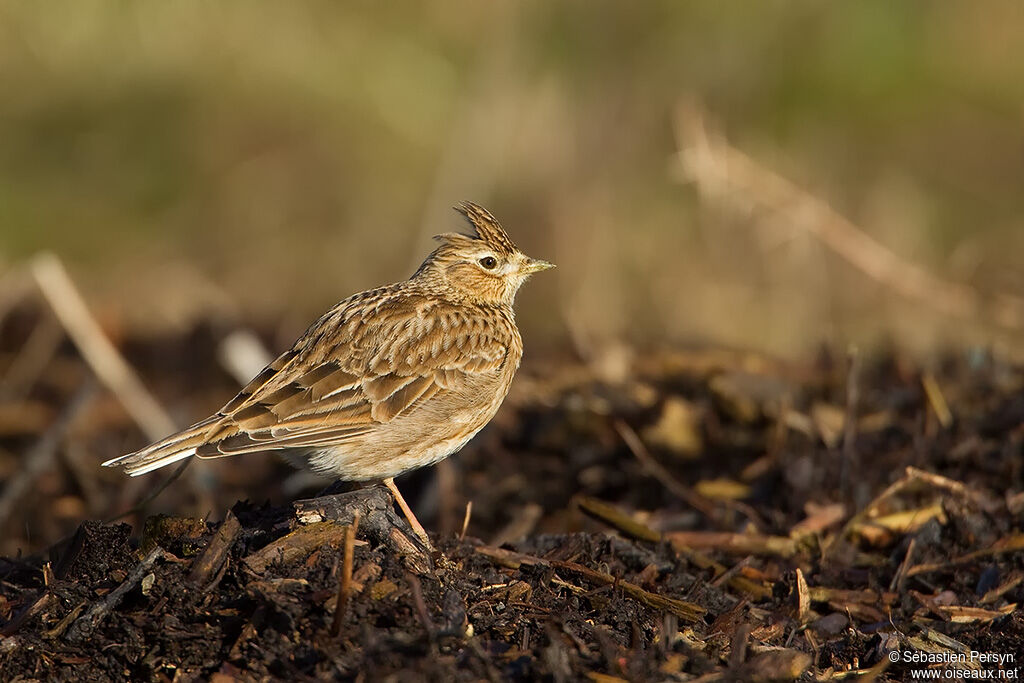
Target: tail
166, 451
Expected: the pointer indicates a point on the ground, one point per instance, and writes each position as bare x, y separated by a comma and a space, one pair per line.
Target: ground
658, 515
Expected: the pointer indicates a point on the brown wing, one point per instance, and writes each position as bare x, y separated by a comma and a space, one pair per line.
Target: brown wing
361, 365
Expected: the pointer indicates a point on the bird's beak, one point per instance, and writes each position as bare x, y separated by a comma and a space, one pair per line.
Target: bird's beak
535, 266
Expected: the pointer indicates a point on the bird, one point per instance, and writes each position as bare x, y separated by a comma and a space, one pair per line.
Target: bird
387, 381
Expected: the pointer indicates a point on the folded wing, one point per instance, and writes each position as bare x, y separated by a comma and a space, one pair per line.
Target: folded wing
355, 369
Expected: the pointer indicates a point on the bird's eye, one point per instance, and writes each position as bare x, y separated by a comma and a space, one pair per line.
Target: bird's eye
489, 262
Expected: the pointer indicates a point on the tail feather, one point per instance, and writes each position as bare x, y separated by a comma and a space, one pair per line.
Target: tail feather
166, 451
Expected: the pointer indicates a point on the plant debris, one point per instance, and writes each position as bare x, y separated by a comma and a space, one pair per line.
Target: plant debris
687, 523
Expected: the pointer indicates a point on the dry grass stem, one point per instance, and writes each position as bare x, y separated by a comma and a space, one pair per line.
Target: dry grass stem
345, 585
465, 519
937, 400
725, 175
700, 503
66, 302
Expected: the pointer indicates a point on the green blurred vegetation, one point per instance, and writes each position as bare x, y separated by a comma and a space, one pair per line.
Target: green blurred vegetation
269, 159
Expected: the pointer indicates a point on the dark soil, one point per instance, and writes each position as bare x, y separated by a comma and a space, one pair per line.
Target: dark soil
708, 516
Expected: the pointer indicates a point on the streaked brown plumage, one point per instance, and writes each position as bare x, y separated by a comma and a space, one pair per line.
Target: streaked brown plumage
390, 379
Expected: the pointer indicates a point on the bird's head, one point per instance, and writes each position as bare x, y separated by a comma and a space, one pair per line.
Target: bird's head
485, 267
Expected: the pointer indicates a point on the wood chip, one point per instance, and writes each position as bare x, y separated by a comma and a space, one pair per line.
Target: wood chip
803, 597
960, 614
734, 544
296, 545
209, 563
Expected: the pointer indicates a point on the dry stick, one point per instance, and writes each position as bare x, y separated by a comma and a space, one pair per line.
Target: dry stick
465, 520
345, 585
738, 649
513, 560
720, 169
952, 485
676, 487
43, 454
910, 476
35, 607
85, 624
685, 610
97, 350
899, 578
937, 400
655, 468
610, 514
105, 361
421, 605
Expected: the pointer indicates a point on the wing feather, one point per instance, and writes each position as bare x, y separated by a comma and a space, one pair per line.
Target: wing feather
380, 364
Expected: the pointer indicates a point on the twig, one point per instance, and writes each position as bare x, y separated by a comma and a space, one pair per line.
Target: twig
378, 521
937, 400
62, 626
732, 572
513, 560
620, 520
688, 611
421, 605
43, 454
900, 577
99, 353
84, 625
656, 470
700, 503
910, 476
465, 520
1011, 544
720, 170
738, 647
38, 605
345, 585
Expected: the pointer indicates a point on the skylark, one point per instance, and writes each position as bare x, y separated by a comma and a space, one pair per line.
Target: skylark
387, 381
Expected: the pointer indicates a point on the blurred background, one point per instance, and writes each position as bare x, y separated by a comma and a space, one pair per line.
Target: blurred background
769, 176
184, 158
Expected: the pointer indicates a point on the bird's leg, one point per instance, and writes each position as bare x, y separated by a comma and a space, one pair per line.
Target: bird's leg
407, 511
